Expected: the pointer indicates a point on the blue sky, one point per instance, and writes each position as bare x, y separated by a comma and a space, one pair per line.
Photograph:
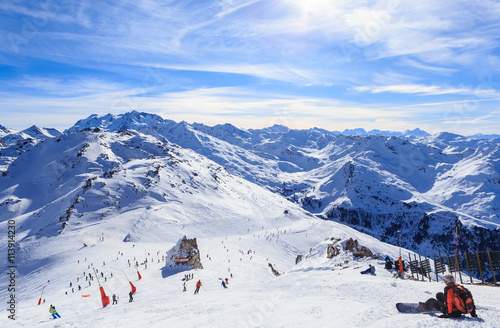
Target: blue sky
388, 65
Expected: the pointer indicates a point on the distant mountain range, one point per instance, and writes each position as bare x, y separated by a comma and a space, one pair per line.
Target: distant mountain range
379, 182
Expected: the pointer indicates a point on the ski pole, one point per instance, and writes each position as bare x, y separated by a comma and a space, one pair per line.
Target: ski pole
96, 277
126, 276
456, 258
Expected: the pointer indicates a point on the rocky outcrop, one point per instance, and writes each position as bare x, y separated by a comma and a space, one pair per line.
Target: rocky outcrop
275, 272
184, 255
349, 245
298, 258
332, 251
363, 252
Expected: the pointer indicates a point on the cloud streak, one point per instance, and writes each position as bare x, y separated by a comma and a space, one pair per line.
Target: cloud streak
431, 90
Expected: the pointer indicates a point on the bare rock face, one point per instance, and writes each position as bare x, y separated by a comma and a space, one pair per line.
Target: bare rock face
332, 251
349, 245
275, 272
298, 258
185, 255
363, 252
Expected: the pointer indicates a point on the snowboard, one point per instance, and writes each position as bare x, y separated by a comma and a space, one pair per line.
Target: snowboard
412, 308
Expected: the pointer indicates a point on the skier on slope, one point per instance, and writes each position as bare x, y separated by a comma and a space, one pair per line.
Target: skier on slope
224, 284
130, 297
53, 311
449, 301
198, 285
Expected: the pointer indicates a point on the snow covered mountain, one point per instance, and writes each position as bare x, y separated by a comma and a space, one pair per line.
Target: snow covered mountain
36, 132
5, 131
29, 135
119, 189
375, 183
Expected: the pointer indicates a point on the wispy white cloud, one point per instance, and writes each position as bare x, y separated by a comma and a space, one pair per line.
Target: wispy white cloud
427, 90
242, 107
409, 62
63, 87
474, 120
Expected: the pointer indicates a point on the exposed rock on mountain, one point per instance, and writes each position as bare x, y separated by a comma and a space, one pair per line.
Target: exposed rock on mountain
185, 255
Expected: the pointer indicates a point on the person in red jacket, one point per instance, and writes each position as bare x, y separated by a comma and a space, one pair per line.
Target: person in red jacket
198, 285
445, 302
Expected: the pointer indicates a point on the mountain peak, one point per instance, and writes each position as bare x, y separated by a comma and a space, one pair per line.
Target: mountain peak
110, 122
354, 131
5, 131
278, 128
36, 132
416, 133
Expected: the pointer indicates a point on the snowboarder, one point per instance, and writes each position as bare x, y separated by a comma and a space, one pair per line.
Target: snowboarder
371, 270
53, 311
198, 285
115, 301
224, 284
130, 297
449, 301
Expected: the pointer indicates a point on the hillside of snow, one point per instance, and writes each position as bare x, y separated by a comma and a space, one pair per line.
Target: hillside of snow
379, 183
376, 183
234, 244
108, 200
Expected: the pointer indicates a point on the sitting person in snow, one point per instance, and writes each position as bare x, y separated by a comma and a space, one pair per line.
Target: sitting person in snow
371, 270
396, 265
388, 263
455, 301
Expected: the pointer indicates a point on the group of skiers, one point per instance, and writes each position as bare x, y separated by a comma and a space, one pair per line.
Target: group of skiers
224, 284
455, 301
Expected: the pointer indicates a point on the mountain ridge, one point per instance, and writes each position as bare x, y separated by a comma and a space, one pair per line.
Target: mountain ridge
374, 183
